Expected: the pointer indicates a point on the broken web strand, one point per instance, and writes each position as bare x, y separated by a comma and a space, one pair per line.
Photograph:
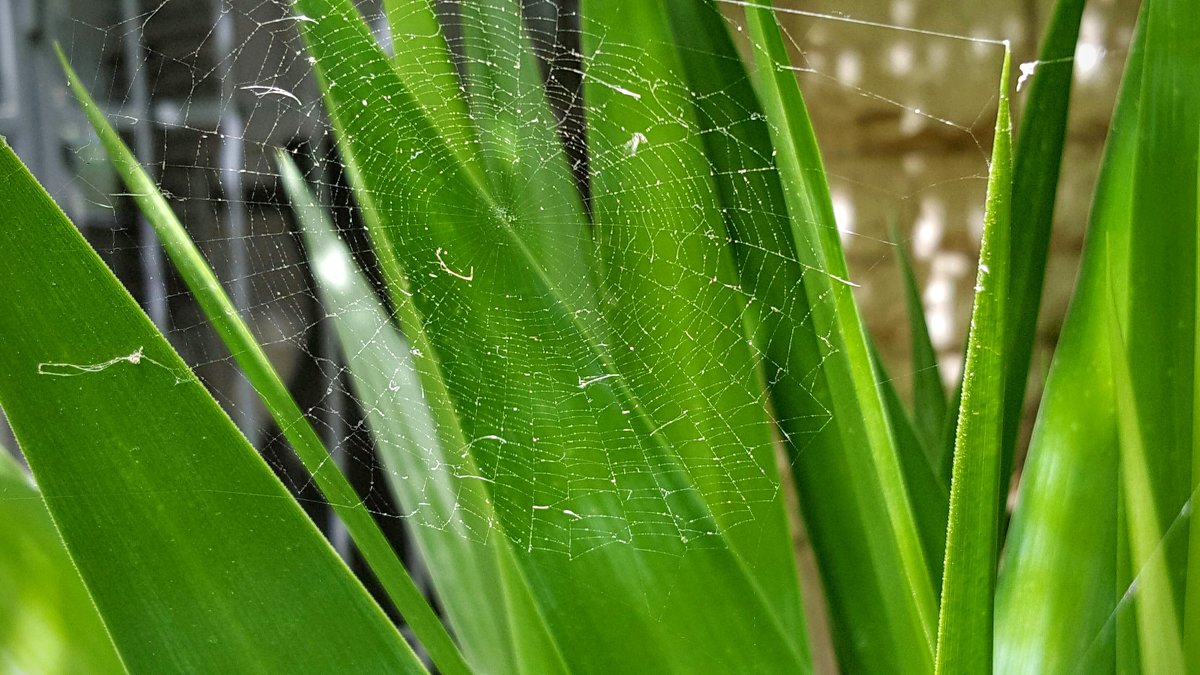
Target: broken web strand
220, 309
135, 358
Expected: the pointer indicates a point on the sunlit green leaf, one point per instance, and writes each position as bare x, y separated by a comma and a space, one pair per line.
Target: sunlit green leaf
421, 57
857, 506
1074, 553
523, 354
1036, 167
1159, 642
48, 623
965, 621
465, 565
678, 312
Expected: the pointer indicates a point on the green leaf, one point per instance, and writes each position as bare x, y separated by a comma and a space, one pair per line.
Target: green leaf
609, 529
929, 396
217, 306
527, 169
674, 302
738, 144
421, 57
449, 515
856, 503
1058, 593
1158, 629
926, 467
48, 623
1162, 262
965, 621
1057, 589
1036, 168
147, 480
943, 460
1191, 620
929, 493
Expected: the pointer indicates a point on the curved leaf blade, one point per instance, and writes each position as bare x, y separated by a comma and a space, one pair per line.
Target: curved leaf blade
446, 512
624, 533
147, 479
297, 428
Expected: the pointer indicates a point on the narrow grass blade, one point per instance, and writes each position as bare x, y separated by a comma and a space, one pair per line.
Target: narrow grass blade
1037, 162
48, 623
943, 461
296, 427
449, 515
607, 527
147, 480
930, 408
929, 493
965, 621
876, 540
1058, 590
1159, 641
675, 299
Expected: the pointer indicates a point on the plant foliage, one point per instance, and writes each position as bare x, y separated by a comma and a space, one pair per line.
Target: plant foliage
580, 392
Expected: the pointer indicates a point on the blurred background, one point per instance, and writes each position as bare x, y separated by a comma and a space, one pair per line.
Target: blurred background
206, 90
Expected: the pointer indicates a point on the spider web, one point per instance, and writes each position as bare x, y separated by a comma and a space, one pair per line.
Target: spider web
206, 92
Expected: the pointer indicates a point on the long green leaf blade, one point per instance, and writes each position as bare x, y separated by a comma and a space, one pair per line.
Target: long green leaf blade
48, 623
1191, 619
930, 407
527, 169
1159, 643
672, 287
1068, 571
421, 57
1036, 168
607, 522
1162, 262
877, 540
447, 513
250, 357
965, 621
147, 480
929, 493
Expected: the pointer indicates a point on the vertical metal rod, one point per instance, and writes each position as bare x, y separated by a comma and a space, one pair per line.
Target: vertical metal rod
231, 132
154, 280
